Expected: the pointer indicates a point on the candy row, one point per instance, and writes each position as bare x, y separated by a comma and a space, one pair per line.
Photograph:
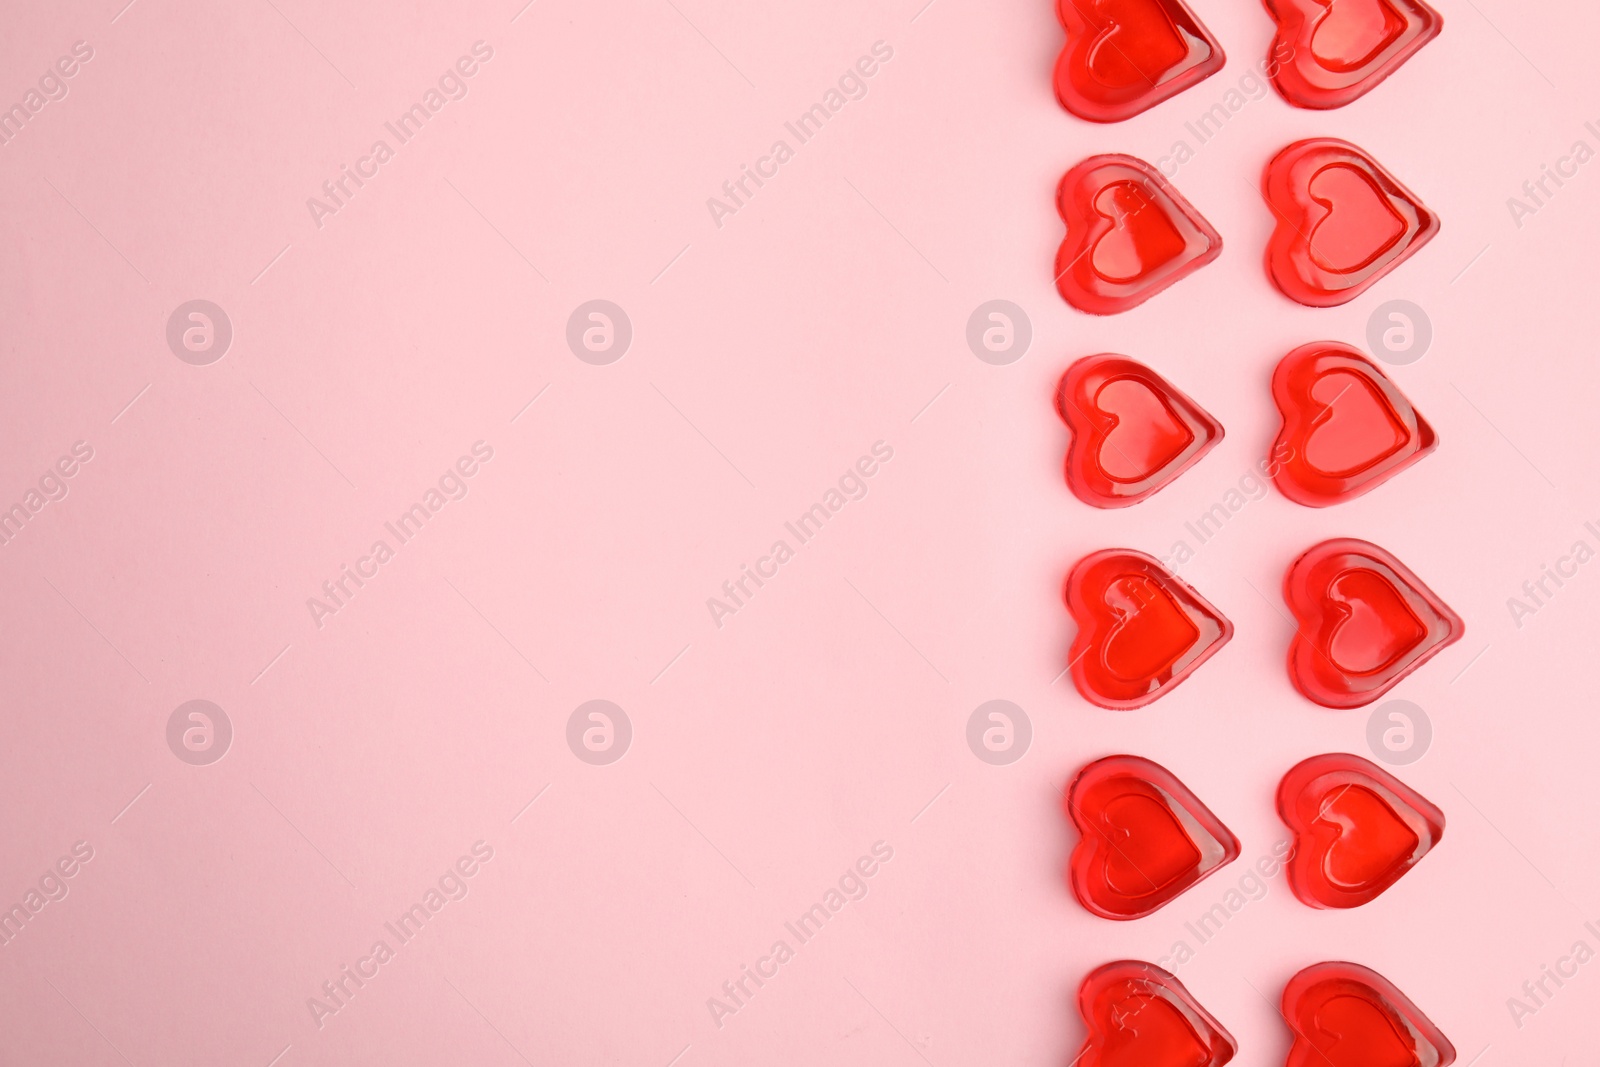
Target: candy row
1341, 222
1124, 56
1340, 1013
1347, 428
1363, 621
1144, 837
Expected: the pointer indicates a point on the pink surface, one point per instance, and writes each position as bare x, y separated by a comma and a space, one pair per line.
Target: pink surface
769, 353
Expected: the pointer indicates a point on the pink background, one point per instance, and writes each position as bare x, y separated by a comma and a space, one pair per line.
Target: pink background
827, 314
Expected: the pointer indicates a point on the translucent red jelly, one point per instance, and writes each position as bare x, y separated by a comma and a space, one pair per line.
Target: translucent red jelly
1139, 1015
1346, 1015
1341, 51
1357, 829
1123, 56
1144, 838
1129, 235
1364, 622
1141, 629
1343, 221
1346, 428
1132, 431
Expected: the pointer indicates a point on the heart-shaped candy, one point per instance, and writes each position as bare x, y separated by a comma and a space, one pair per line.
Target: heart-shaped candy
1123, 56
1343, 221
1143, 837
1132, 431
1357, 829
1129, 235
1346, 1015
1330, 52
1363, 622
1141, 629
1139, 1015
1346, 427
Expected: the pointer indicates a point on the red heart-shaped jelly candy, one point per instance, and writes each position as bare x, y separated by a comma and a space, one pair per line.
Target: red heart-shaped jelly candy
1329, 53
1140, 1015
1123, 56
1343, 221
1357, 829
1346, 427
1141, 629
1132, 431
1143, 837
1129, 235
1363, 622
1346, 1015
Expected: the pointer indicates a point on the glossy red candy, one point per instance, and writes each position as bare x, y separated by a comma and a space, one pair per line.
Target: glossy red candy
1364, 622
1357, 829
1129, 235
1139, 1015
1123, 56
1339, 51
1141, 629
1143, 837
1346, 427
1343, 222
1132, 432
1346, 1015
